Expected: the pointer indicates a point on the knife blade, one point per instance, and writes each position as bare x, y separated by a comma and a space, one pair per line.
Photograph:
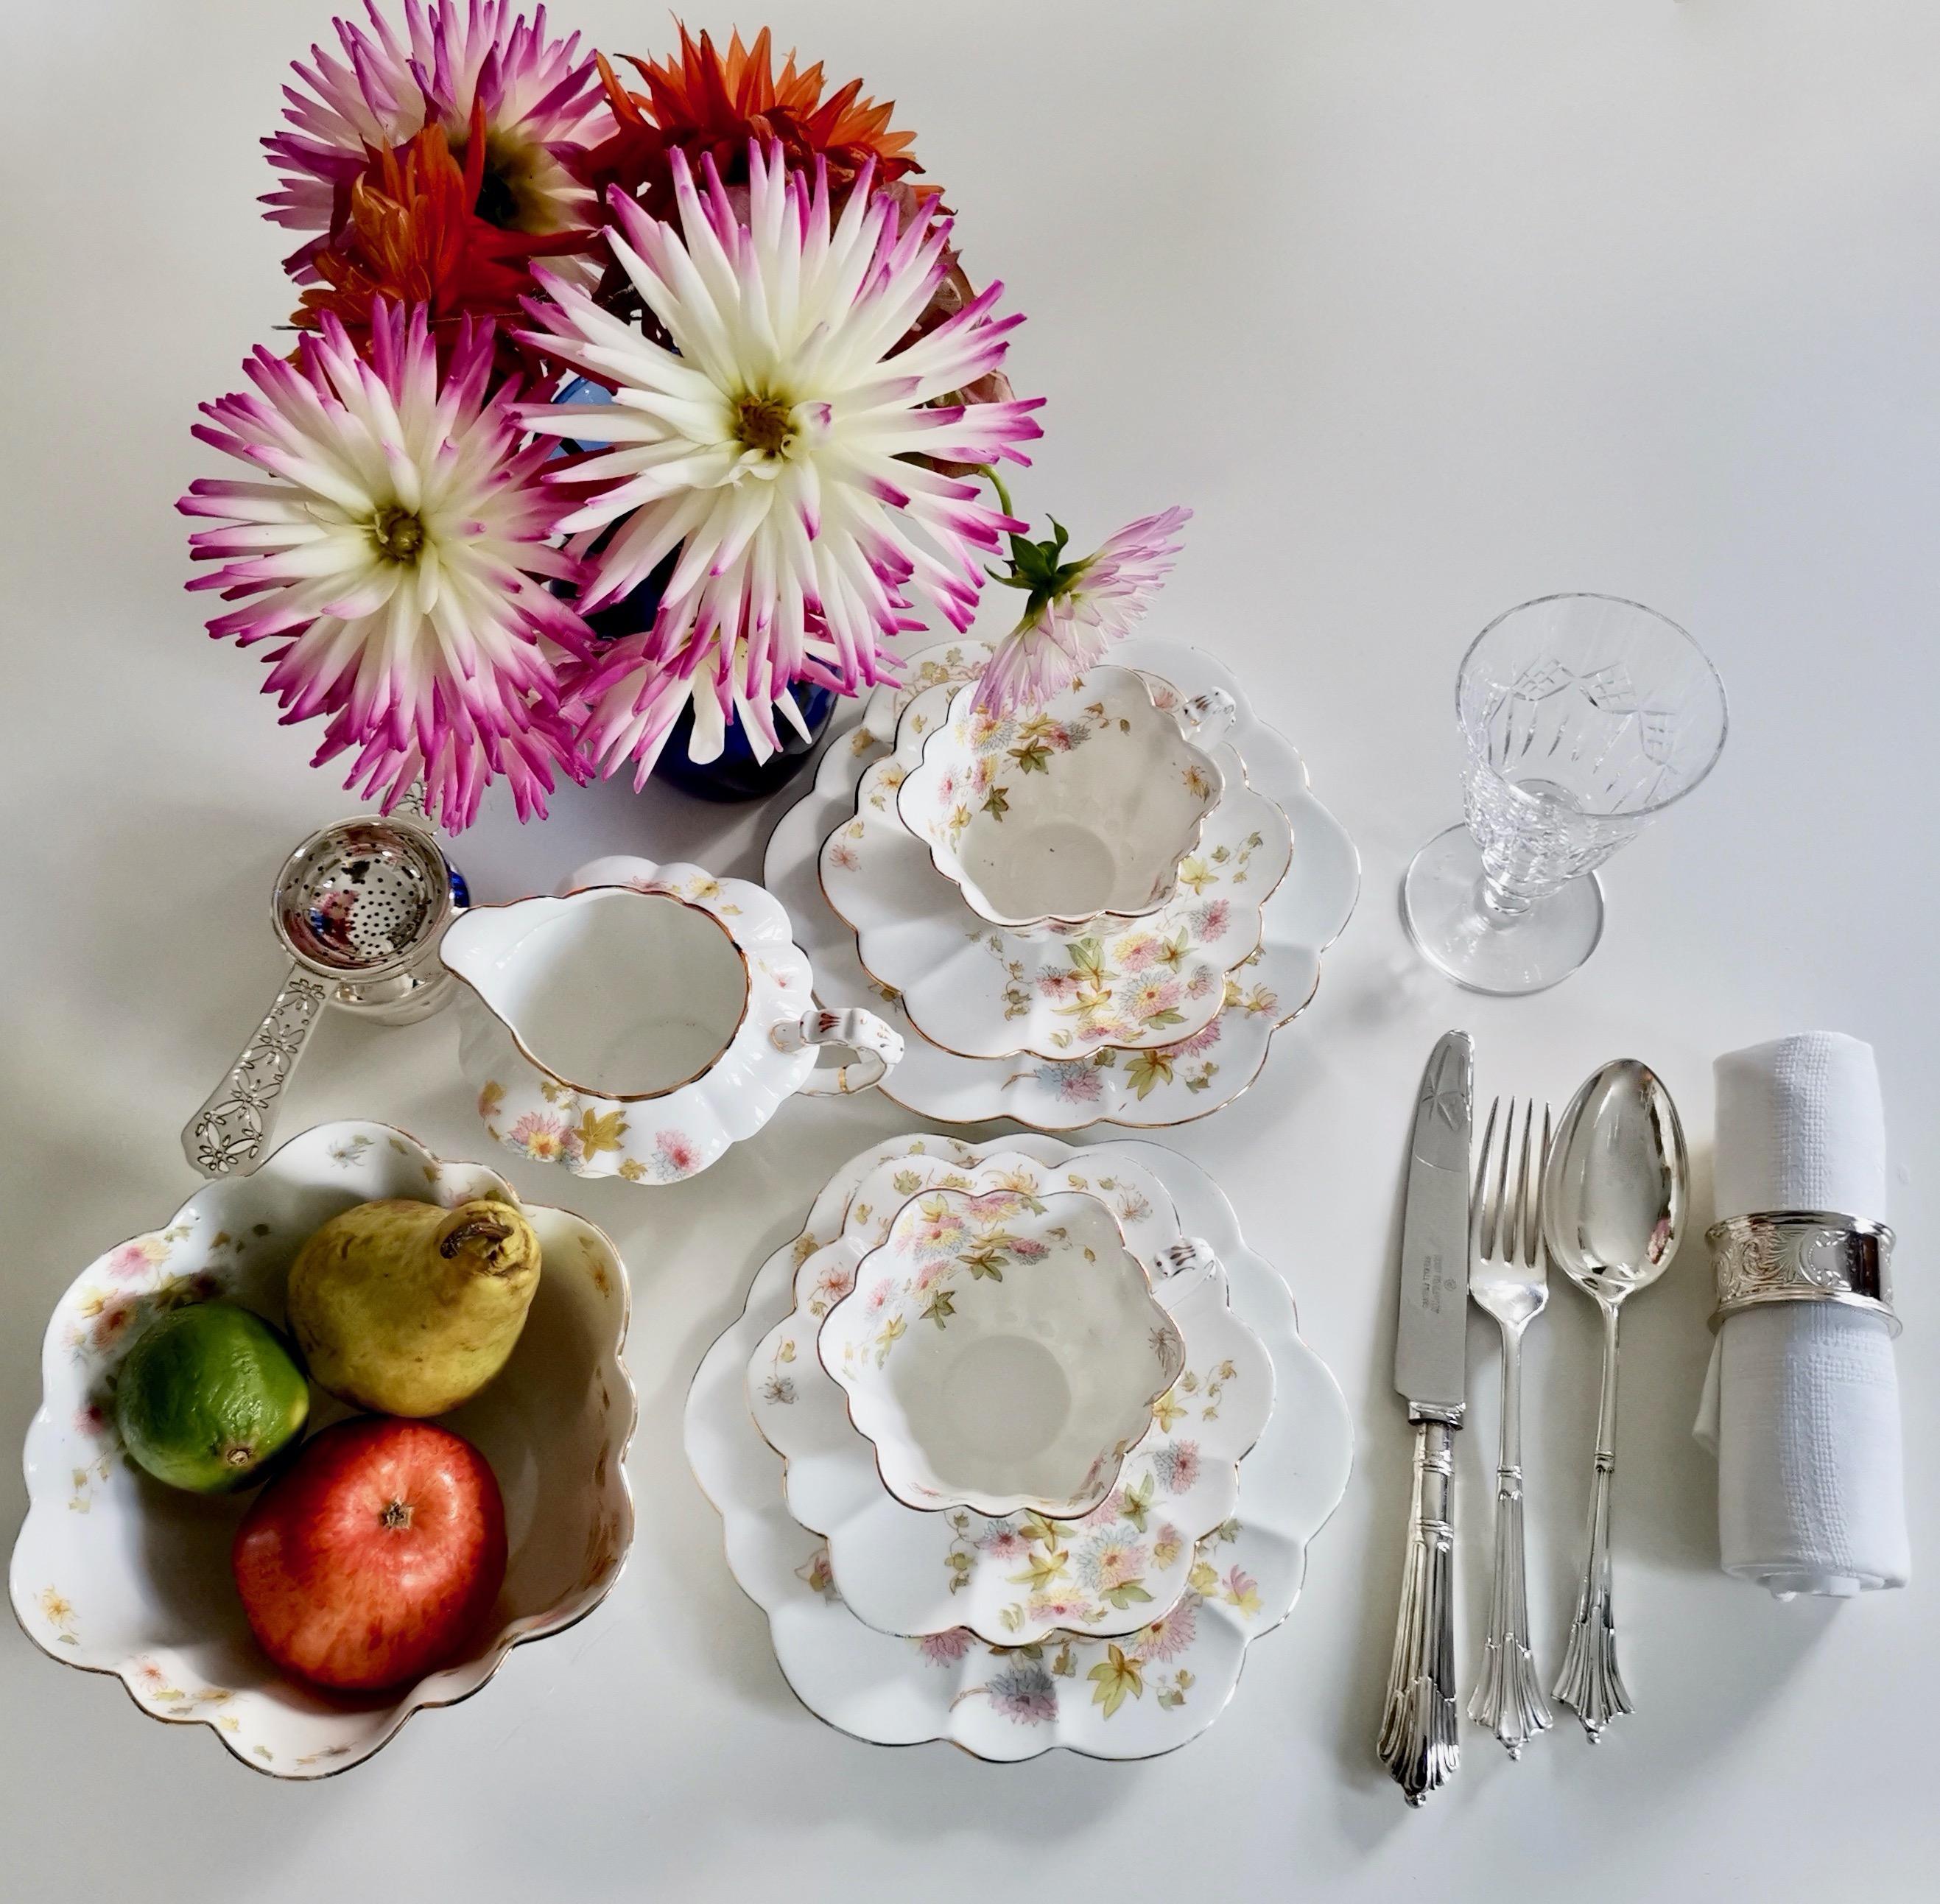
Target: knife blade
1431, 1346
1418, 1742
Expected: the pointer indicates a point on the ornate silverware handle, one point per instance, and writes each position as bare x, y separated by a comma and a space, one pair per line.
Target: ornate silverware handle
226, 1137
1589, 1682
1507, 1698
1418, 1740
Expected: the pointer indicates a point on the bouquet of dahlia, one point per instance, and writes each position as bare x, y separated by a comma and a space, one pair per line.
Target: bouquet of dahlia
616, 404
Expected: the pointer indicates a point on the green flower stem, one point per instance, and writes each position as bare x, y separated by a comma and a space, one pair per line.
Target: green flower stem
989, 470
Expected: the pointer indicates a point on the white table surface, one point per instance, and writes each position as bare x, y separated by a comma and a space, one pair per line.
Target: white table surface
1426, 309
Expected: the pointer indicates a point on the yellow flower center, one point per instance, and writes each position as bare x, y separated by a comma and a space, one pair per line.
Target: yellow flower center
761, 421
398, 533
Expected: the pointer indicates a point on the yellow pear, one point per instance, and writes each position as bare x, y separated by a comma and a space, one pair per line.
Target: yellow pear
409, 1309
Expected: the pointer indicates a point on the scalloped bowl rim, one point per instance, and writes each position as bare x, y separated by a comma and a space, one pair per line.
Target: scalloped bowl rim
408, 1704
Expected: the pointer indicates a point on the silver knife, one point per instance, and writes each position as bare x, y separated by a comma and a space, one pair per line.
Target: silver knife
1418, 1742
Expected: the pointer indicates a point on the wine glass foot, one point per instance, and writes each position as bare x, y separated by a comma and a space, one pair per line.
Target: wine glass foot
1441, 906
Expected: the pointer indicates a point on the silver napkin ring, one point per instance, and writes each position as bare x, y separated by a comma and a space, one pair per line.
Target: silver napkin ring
1801, 1256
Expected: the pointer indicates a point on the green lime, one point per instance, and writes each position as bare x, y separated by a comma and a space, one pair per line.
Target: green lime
207, 1396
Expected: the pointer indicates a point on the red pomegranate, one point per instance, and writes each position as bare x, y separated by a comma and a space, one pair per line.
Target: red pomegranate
375, 1556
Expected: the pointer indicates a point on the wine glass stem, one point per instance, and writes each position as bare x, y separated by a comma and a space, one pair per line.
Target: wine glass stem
1499, 905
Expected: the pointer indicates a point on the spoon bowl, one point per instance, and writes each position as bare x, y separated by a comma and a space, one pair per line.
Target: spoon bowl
1613, 1202
1614, 1189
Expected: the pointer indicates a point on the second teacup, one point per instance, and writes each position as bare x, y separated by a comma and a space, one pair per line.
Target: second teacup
1073, 817
1003, 1350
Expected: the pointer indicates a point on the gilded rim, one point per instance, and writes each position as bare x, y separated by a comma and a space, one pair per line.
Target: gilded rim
589, 1091
1172, 1124
1082, 1752
993, 1148
1063, 922
1025, 1050
1124, 1448
518, 1640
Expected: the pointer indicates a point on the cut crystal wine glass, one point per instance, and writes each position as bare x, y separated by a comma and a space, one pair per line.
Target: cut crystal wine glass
1583, 717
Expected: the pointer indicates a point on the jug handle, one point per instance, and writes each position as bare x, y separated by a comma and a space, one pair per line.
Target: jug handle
878, 1049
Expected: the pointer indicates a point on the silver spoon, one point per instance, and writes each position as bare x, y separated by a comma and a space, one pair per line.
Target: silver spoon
1613, 1197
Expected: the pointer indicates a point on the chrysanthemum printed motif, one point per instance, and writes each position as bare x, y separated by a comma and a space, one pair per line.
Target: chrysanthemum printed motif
1002, 1541
774, 446
542, 105
393, 537
1107, 1560
1076, 609
1076, 1082
1169, 1635
543, 1139
1024, 1692
1177, 1465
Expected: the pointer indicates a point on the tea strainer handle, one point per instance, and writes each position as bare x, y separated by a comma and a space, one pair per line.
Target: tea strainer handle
878, 1049
227, 1137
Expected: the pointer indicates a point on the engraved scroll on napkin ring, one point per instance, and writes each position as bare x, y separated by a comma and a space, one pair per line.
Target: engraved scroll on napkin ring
1802, 1256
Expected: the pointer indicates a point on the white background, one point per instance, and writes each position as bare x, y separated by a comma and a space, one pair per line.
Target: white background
1426, 309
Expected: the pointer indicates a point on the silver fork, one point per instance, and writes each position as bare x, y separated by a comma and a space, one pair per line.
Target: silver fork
1508, 1277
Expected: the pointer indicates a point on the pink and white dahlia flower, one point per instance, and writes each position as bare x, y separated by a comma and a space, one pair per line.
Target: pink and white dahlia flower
775, 446
395, 536
542, 101
1075, 608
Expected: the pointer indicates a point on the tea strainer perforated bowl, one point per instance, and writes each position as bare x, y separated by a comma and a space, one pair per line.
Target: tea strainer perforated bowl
360, 907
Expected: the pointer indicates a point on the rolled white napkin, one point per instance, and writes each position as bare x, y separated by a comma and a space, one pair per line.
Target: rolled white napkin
1801, 1399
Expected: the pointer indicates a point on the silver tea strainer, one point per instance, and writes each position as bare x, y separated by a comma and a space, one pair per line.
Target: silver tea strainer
360, 907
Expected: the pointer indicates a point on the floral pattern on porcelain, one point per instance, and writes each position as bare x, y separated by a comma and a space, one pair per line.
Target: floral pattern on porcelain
1009, 1701
1101, 748
1180, 1482
1154, 985
1194, 1080
666, 1139
1047, 1275
948, 665
79, 1583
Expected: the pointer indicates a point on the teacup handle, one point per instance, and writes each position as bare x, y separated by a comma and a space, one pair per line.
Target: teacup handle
1182, 1267
878, 1049
1207, 717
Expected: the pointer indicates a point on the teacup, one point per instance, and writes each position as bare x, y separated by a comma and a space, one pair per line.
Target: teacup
1004, 1350
645, 1019
1073, 817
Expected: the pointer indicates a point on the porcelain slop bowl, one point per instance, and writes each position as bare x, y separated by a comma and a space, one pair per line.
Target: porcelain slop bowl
117, 1574
1002, 1351
1079, 811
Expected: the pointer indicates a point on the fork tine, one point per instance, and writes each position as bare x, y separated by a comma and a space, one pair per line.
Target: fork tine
1519, 1248
1503, 1240
1535, 1242
1478, 1204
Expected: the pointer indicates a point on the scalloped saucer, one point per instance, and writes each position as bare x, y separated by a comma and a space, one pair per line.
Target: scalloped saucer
979, 991
1150, 1090
1129, 1697
1013, 1579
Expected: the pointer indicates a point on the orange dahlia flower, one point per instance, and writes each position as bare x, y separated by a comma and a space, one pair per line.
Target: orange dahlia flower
703, 104
413, 236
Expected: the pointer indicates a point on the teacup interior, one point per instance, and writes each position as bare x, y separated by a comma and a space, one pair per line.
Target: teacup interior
1063, 866
622, 992
1088, 806
1025, 1383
